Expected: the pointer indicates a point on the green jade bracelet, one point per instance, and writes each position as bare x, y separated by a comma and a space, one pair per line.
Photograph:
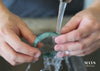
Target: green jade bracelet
42, 37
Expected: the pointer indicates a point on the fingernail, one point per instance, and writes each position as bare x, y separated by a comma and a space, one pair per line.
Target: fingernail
67, 52
40, 45
60, 54
37, 55
57, 40
78, 45
63, 29
58, 48
36, 59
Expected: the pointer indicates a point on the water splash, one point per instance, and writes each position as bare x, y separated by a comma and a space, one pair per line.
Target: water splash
52, 61
28, 67
55, 61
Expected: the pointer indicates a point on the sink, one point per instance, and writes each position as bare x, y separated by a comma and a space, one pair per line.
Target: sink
44, 25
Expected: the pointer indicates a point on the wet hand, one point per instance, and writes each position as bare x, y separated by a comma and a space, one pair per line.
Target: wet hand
80, 36
12, 49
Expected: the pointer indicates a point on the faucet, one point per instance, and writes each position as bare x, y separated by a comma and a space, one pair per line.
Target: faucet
66, 1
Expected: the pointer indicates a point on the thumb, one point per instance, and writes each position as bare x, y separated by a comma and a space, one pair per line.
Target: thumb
71, 25
28, 34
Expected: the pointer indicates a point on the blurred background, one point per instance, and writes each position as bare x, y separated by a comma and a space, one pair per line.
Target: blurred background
41, 16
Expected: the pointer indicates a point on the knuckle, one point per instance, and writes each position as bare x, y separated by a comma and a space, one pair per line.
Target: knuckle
30, 59
93, 23
13, 58
35, 51
77, 16
2, 31
81, 46
39, 53
63, 48
17, 16
17, 48
13, 63
97, 26
32, 53
78, 35
87, 53
83, 55
23, 24
69, 49
82, 52
88, 18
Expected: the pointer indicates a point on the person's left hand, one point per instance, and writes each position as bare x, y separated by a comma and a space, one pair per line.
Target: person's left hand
80, 36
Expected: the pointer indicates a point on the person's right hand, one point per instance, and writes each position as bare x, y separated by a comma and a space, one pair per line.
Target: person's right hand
12, 49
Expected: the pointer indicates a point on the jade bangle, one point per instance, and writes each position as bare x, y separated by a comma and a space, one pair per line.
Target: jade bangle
42, 37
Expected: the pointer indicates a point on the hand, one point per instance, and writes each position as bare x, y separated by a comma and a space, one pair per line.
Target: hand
81, 35
12, 49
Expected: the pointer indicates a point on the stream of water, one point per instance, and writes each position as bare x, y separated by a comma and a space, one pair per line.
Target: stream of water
62, 8
54, 61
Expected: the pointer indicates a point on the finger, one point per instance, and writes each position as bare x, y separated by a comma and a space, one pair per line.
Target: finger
63, 54
70, 1
28, 34
89, 40
85, 28
68, 37
71, 25
70, 53
14, 58
93, 47
79, 45
72, 46
7, 53
60, 54
83, 52
14, 41
22, 58
75, 35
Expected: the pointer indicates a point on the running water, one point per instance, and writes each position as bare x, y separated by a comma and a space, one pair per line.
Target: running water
29, 66
76, 63
54, 61
62, 8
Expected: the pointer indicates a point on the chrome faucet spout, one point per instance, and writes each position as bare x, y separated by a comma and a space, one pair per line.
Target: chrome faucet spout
66, 1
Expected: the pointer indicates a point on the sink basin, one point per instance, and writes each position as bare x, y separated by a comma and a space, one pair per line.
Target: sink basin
47, 25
